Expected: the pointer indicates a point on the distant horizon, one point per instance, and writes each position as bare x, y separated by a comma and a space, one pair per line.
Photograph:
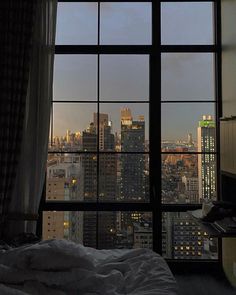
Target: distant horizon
184, 76
116, 127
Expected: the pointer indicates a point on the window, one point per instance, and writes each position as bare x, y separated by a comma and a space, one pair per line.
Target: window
133, 137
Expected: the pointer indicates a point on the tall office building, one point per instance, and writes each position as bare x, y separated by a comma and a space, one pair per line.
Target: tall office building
132, 166
183, 238
207, 162
190, 139
93, 223
133, 184
64, 182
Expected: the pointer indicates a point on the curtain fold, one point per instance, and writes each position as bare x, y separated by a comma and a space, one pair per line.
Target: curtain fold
16, 23
31, 165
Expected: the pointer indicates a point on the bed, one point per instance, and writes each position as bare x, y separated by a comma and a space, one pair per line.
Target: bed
61, 267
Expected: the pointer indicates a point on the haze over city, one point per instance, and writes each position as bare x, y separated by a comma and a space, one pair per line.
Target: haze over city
185, 76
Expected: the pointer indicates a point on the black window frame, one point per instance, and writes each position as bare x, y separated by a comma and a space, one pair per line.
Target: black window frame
154, 51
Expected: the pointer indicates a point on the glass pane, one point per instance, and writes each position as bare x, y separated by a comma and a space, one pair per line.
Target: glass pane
124, 77
190, 126
183, 238
73, 127
180, 182
75, 77
113, 229
124, 177
187, 76
132, 229
71, 177
126, 23
77, 23
129, 123
187, 23
188, 178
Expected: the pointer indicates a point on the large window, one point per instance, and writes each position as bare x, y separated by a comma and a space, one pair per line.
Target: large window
133, 137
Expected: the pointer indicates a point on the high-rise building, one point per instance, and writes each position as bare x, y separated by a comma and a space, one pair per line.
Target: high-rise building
93, 223
142, 235
64, 182
133, 184
207, 161
132, 166
68, 134
190, 139
89, 163
183, 238
105, 136
190, 188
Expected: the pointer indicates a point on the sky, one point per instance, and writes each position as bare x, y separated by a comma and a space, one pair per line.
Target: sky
185, 76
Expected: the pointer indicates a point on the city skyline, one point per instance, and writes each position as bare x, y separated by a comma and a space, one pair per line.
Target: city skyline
120, 80
125, 178
64, 124
185, 76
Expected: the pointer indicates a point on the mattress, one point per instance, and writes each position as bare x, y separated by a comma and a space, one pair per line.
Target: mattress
60, 267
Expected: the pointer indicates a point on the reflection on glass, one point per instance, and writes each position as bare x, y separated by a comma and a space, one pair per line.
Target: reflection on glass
71, 177
77, 23
115, 229
188, 125
124, 77
126, 23
183, 238
127, 127
187, 23
187, 76
73, 127
75, 77
124, 177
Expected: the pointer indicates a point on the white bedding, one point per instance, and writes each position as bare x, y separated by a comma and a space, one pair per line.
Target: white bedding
60, 267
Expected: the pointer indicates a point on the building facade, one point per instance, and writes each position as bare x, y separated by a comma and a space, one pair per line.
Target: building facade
207, 161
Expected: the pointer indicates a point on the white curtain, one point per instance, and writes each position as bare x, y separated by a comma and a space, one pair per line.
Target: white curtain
32, 165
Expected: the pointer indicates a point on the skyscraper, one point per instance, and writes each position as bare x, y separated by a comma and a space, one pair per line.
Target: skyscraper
64, 182
106, 138
206, 162
132, 166
190, 139
93, 223
183, 238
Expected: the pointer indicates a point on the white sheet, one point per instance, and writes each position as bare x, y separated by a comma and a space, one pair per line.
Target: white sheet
60, 267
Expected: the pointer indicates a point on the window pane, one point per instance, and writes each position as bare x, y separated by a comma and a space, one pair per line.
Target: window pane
126, 23
183, 238
188, 178
132, 230
113, 229
187, 76
190, 126
73, 127
129, 124
71, 177
124, 177
75, 77
124, 77
187, 23
77, 23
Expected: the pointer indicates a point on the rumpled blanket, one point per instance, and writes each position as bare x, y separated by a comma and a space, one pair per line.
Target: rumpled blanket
61, 267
